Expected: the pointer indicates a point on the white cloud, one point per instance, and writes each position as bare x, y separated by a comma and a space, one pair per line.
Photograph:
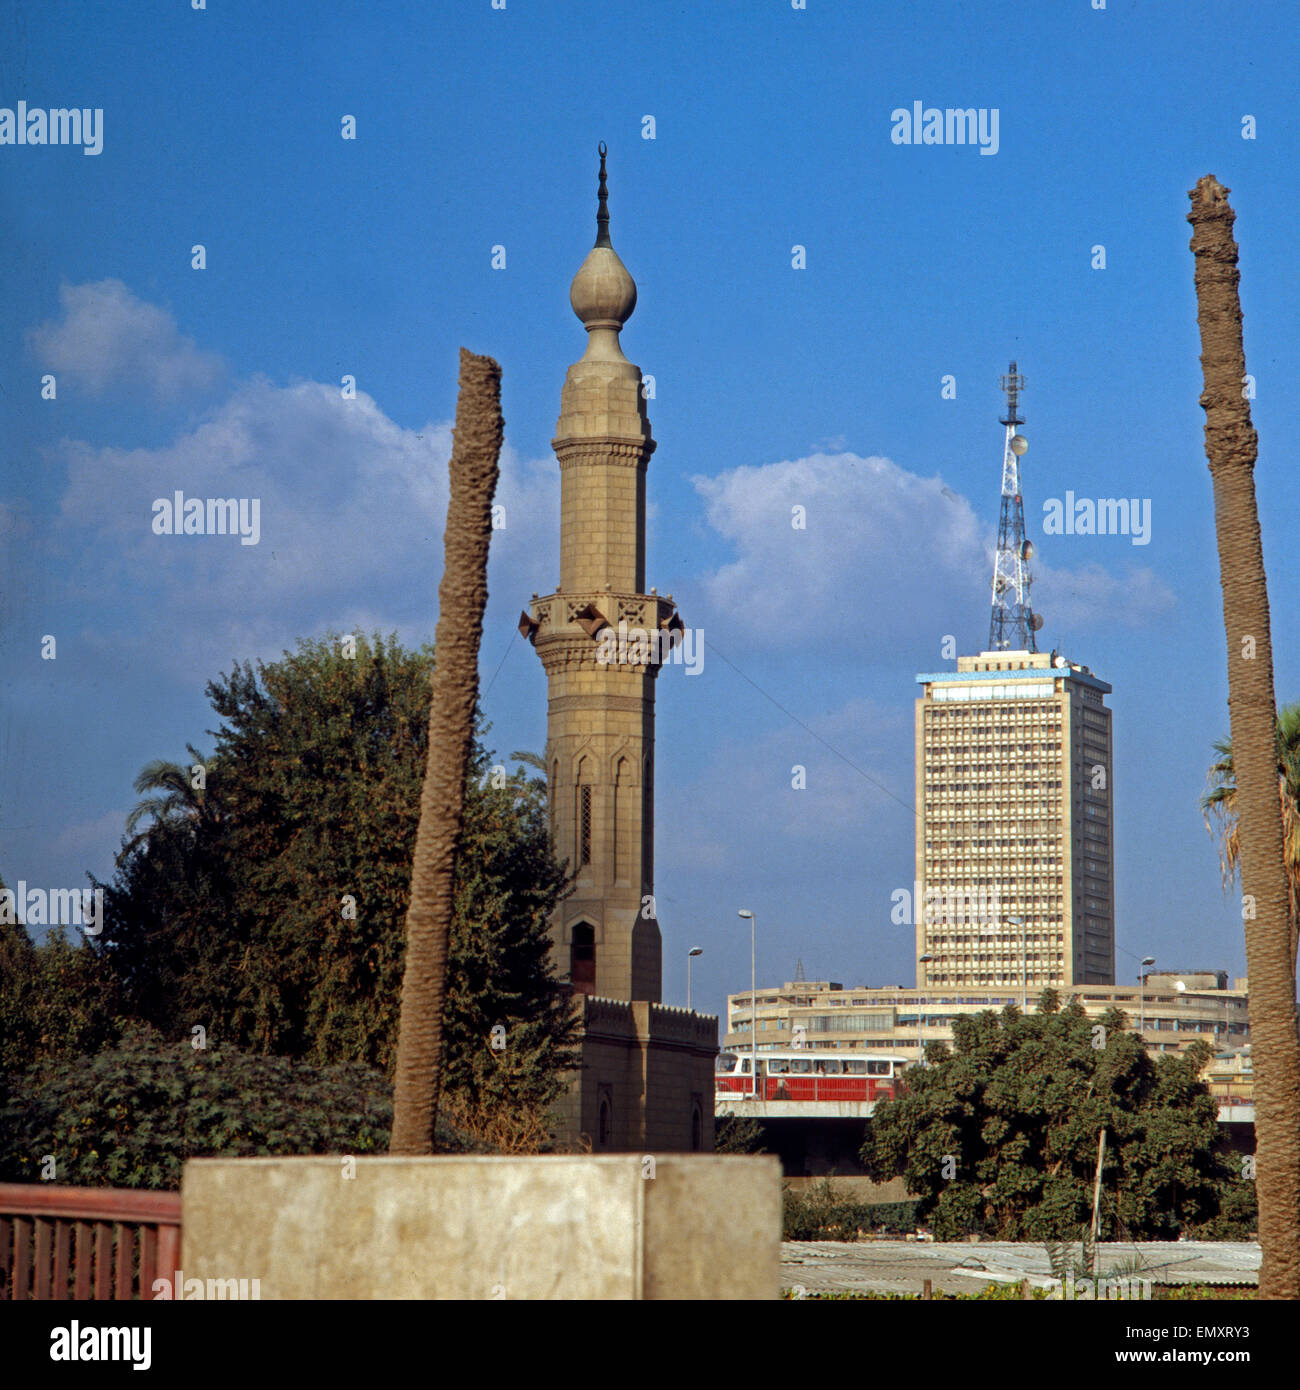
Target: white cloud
884, 551
107, 337
886, 555
1083, 597
352, 508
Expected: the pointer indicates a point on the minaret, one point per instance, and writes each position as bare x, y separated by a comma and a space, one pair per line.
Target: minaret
600, 713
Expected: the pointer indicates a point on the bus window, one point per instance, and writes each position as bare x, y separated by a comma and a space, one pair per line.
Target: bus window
877, 1068
744, 1067
855, 1068
777, 1066
801, 1066
725, 1064
830, 1066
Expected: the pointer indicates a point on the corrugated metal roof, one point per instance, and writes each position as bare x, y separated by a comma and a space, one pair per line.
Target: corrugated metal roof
897, 1266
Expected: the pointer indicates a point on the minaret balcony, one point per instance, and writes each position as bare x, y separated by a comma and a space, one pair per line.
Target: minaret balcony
577, 620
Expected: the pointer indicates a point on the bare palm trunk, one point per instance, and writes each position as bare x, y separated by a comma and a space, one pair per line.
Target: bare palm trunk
1230, 446
462, 598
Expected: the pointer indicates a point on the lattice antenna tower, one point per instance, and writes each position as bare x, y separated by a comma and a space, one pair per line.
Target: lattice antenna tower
1013, 625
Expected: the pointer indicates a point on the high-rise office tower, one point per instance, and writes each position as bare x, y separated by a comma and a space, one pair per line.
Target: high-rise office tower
1014, 794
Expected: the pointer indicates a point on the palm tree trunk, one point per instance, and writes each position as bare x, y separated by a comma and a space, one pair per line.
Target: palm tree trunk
462, 598
1230, 446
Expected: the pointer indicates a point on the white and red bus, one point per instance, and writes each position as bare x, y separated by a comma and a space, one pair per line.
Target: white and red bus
808, 1074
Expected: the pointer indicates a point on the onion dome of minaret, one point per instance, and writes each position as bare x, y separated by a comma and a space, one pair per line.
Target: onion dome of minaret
603, 293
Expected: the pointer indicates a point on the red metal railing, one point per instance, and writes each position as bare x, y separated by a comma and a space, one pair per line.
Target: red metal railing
86, 1242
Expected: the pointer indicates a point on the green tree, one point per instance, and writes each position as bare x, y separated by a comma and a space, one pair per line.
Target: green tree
57, 1000
1219, 806
178, 797
998, 1135
275, 918
509, 1025
170, 934
737, 1134
130, 1114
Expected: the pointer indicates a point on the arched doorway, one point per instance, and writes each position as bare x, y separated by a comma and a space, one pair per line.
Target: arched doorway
582, 958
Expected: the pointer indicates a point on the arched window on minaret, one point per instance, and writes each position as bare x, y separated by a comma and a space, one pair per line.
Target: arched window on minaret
623, 792
584, 826
583, 811
582, 958
647, 825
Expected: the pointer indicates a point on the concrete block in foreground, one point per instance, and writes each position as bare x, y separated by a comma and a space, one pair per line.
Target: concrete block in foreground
623, 1226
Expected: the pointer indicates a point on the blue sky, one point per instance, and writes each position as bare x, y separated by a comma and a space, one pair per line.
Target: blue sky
774, 387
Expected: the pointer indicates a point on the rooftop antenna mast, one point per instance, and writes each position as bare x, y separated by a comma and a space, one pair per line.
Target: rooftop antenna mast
1013, 625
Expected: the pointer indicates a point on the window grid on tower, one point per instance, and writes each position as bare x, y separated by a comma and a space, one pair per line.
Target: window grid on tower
584, 826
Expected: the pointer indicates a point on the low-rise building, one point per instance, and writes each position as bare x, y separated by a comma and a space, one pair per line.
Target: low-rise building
1172, 1009
1231, 1078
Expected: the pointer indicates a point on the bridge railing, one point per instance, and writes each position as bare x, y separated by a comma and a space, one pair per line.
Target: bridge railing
86, 1242
796, 1088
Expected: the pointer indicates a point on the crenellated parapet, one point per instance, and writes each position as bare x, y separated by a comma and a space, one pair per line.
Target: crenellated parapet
647, 1023
664, 1023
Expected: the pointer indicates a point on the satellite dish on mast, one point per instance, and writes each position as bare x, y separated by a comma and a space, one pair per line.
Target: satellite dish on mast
1037, 622
1018, 445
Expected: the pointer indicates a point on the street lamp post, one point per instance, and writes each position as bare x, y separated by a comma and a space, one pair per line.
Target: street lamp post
753, 999
920, 1017
694, 951
1142, 998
